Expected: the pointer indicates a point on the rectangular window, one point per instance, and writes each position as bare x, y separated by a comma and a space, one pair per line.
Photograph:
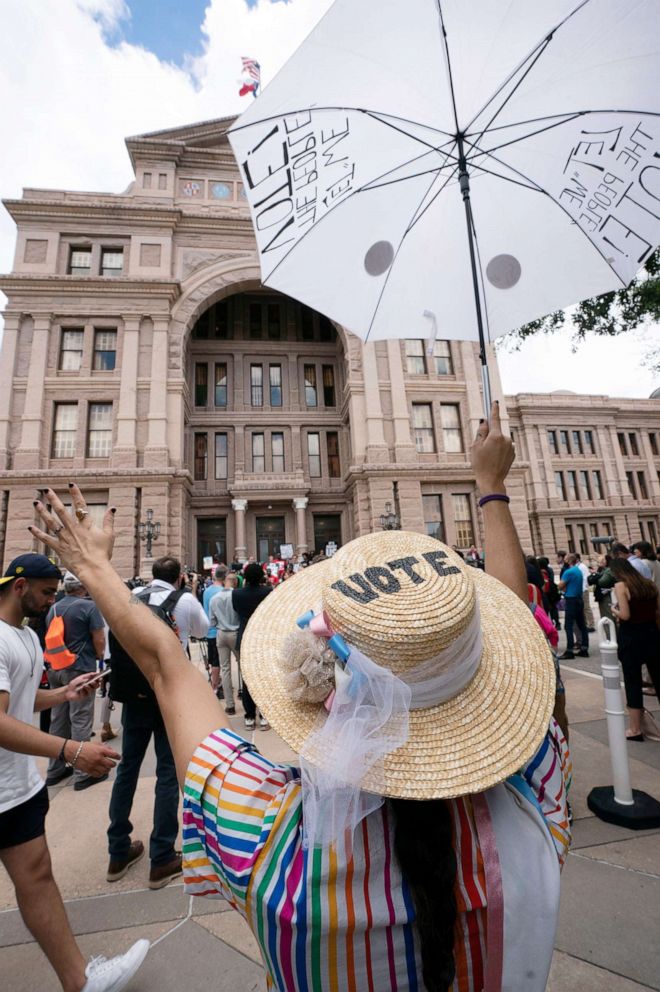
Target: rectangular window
415, 357
201, 384
71, 350
201, 457
607, 530
593, 530
274, 313
653, 440
451, 427
314, 455
221, 457
254, 322
641, 486
277, 451
310, 385
585, 485
442, 358
582, 539
146, 182
328, 385
571, 482
99, 434
589, 442
577, 443
65, 426
258, 458
463, 520
326, 330
571, 538
307, 324
112, 262
423, 427
563, 443
220, 384
634, 450
275, 380
332, 444
559, 486
552, 442
80, 261
257, 385
597, 485
622, 443
630, 476
162, 180
105, 351
433, 520
653, 534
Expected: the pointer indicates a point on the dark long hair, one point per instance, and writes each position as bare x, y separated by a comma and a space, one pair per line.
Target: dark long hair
423, 846
638, 586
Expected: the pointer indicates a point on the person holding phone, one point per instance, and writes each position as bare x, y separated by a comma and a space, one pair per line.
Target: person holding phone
27, 590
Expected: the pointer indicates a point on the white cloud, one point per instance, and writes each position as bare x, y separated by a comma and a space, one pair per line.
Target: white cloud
69, 99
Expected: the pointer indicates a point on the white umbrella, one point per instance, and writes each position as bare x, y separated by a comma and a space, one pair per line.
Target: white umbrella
458, 167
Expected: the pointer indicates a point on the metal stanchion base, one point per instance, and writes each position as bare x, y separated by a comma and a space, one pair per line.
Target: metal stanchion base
644, 814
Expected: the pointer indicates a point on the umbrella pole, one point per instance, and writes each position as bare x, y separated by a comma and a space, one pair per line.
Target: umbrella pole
464, 181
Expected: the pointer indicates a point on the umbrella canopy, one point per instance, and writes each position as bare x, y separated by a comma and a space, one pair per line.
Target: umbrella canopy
461, 161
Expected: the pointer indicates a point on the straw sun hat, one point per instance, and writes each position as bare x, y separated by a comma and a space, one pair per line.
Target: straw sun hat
401, 615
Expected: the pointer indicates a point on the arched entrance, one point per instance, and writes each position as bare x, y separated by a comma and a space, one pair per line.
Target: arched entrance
266, 427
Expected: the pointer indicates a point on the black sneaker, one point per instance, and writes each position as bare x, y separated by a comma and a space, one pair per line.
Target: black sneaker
566, 656
583, 654
85, 783
230, 710
57, 777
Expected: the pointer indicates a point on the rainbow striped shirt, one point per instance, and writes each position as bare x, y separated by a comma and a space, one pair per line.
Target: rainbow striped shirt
325, 923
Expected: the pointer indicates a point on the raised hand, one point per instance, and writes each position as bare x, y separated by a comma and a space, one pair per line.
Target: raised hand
76, 540
492, 454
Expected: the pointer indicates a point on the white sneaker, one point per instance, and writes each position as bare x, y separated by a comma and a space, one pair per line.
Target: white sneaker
249, 723
112, 975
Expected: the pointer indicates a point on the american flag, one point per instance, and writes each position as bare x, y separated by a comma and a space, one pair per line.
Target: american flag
251, 77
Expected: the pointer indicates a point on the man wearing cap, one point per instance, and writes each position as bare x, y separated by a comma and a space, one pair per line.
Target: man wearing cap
84, 636
27, 590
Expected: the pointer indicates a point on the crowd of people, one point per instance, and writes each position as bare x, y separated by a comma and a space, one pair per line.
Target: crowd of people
78, 629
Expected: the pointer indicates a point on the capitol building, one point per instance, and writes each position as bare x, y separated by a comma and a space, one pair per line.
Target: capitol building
142, 357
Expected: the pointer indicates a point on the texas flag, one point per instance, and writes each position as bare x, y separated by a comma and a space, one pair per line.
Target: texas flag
251, 79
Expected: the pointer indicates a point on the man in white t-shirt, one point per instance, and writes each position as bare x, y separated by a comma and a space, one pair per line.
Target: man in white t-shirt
27, 590
588, 612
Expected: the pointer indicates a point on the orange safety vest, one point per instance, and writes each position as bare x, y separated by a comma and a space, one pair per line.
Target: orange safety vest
57, 653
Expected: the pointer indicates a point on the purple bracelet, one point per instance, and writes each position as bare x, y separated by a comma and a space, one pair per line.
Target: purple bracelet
494, 496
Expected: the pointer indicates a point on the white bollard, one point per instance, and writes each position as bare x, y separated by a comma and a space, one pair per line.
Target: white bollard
615, 711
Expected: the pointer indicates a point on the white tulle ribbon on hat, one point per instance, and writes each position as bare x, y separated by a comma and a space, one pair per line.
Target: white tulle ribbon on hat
443, 676
368, 718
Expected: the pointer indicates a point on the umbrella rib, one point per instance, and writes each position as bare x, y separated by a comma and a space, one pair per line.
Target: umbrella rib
507, 179
524, 137
543, 44
448, 58
413, 175
375, 115
563, 209
418, 216
357, 110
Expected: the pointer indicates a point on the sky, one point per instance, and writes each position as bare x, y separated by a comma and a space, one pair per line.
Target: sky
79, 76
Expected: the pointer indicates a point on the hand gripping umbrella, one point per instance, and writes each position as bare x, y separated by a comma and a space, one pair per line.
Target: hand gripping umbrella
458, 167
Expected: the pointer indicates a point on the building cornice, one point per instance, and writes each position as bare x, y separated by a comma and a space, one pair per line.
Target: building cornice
86, 286
93, 207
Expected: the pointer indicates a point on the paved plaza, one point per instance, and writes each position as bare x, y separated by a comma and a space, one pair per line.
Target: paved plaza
608, 931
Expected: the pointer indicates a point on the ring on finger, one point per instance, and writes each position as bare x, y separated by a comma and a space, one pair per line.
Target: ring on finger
81, 514
56, 530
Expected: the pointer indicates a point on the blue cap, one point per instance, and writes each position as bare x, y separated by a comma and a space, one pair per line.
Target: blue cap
31, 566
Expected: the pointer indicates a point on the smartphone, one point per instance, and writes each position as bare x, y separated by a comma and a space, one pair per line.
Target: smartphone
98, 677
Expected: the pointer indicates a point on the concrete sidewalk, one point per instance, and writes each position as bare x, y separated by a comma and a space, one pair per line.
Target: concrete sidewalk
608, 931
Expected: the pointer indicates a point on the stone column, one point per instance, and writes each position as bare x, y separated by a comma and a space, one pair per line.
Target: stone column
156, 453
239, 506
125, 453
7, 369
377, 450
652, 479
29, 453
300, 505
404, 449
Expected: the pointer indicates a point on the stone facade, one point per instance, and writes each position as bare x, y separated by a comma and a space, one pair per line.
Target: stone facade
591, 468
116, 304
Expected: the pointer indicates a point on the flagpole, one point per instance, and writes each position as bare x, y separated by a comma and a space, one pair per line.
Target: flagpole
464, 182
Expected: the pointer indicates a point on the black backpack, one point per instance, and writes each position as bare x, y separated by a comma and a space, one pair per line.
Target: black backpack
127, 683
